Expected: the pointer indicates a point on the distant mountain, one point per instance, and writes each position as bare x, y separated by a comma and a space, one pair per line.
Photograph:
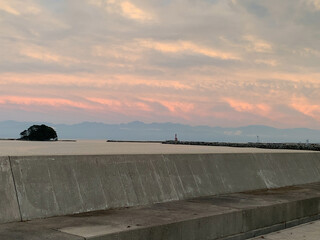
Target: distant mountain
165, 131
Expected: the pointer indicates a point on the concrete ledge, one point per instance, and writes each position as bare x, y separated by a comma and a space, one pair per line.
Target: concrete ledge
230, 216
25, 231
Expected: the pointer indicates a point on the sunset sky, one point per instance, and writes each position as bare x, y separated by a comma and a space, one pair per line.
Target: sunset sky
198, 62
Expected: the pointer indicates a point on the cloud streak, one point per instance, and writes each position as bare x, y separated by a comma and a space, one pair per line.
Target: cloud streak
186, 47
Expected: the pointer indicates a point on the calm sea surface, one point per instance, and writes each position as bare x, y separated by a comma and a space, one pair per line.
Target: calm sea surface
91, 147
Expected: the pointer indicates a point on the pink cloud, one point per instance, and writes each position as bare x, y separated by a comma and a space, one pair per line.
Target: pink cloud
51, 102
154, 99
121, 106
187, 46
256, 108
96, 81
305, 107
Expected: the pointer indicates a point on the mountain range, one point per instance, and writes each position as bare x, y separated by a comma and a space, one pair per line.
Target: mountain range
139, 131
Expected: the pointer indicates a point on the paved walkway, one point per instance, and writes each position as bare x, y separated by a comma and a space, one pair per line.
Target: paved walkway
308, 231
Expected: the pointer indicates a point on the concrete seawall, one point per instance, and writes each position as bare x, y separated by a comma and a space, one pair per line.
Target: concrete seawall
9, 209
59, 185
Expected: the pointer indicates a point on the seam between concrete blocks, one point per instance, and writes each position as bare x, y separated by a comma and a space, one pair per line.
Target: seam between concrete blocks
15, 188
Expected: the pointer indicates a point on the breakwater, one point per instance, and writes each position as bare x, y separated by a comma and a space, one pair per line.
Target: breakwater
291, 146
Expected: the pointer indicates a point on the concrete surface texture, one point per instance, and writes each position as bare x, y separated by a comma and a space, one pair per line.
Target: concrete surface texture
308, 231
9, 209
232, 216
101, 147
59, 185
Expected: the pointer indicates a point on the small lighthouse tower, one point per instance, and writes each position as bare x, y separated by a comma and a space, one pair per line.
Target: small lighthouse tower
175, 137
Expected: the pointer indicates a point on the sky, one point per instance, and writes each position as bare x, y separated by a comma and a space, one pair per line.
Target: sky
221, 63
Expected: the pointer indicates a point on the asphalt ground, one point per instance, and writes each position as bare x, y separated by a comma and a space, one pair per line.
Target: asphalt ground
308, 231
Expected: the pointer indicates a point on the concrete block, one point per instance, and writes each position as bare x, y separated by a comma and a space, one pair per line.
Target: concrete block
315, 165
174, 176
168, 231
34, 187
270, 171
269, 229
288, 169
274, 214
228, 174
200, 176
220, 226
189, 185
266, 216
127, 183
162, 174
151, 185
59, 185
89, 183
212, 170
64, 184
137, 183
302, 208
154, 233
300, 221
9, 209
114, 236
139, 234
234, 216
240, 180
112, 186
26, 231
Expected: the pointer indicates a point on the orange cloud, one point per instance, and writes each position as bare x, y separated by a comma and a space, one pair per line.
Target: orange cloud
134, 81
125, 8
45, 55
125, 107
121, 106
186, 46
52, 102
17, 8
90, 80
175, 107
241, 106
305, 107
133, 12
5, 6
40, 55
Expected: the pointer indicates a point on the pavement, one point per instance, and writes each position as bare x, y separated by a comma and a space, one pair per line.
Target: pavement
233, 216
308, 231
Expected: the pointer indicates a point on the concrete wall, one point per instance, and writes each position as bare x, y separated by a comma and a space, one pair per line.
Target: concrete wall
9, 209
58, 185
